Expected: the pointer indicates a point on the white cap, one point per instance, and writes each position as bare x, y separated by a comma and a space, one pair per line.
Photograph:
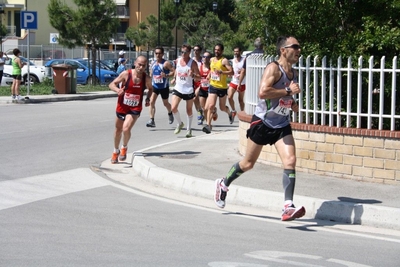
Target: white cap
121, 52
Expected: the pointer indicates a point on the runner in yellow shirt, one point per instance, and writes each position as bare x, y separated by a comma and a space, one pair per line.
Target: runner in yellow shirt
220, 69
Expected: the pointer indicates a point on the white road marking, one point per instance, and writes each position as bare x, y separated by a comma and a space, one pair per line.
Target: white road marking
26, 190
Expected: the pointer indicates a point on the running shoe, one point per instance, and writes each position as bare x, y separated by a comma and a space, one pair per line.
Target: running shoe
189, 134
114, 158
199, 115
179, 128
151, 123
13, 97
232, 116
220, 193
19, 98
215, 115
170, 118
200, 120
290, 212
122, 155
207, 129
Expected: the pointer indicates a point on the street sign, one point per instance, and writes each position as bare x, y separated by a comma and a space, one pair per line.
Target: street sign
29, 20
54, 38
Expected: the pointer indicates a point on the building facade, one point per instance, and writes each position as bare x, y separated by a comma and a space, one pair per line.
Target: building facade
130, 14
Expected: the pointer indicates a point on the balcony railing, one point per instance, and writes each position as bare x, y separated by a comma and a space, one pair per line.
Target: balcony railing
122, 12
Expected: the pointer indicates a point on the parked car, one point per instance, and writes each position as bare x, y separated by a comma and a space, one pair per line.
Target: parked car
37, 73
113, 63
7, 79
83, 71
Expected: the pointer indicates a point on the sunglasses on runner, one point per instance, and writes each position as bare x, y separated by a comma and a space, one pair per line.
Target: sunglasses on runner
294, 46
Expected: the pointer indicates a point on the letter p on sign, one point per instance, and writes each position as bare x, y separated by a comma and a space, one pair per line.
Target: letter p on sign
29, 20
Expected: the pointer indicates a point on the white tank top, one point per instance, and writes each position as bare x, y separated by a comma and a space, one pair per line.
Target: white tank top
184, 82
237, 67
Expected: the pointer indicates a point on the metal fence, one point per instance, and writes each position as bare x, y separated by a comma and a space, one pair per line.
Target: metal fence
41, 53
351, 96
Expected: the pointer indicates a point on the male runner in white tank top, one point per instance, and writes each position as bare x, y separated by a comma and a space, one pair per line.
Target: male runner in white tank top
186, 70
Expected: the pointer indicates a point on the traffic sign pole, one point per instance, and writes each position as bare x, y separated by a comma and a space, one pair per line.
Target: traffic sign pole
29, 22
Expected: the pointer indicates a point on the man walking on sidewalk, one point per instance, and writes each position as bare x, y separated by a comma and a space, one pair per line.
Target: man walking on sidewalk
271, 125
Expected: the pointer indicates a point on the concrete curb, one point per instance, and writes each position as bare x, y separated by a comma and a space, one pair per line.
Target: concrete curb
337, 211
56, 98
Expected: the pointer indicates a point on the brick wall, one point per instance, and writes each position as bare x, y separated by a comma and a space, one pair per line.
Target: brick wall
360, 154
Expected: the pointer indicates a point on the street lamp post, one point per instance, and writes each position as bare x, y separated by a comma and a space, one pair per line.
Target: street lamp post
159, 15
176, 27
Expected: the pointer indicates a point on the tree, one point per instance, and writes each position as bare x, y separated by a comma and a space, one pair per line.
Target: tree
147, 33
92, 23
333, 28
3, 31
206, 30
200, 24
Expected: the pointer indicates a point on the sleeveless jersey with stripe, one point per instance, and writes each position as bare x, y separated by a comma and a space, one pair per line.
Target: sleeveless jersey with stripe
275, 112
157, 80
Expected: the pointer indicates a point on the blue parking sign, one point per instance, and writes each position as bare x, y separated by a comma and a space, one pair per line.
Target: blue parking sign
29, 20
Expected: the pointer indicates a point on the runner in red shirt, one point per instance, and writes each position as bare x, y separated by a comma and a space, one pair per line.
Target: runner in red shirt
130, 86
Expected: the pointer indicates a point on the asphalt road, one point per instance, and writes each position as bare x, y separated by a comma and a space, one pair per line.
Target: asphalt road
55, 211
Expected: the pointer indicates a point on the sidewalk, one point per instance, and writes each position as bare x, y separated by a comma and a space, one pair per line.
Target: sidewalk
192, 165
59, 97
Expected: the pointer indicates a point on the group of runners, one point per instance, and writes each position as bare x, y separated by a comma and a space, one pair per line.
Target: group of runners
201, 81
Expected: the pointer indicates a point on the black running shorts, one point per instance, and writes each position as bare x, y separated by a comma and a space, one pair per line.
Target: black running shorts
261, 134
164, 92
218, 92
183, 96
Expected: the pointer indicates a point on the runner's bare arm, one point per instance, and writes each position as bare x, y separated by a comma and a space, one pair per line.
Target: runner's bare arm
195, 72
114, 84
171, 69
149, 87
270, 76
228, 66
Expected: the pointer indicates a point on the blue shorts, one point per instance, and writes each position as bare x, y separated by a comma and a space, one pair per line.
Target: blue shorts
122, 116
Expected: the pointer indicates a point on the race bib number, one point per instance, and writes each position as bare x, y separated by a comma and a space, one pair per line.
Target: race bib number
205, 83
131, 100
215, 76
284, 107
158, 79
182, 77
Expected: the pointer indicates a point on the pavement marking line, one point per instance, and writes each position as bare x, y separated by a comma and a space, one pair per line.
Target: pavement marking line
26, 190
